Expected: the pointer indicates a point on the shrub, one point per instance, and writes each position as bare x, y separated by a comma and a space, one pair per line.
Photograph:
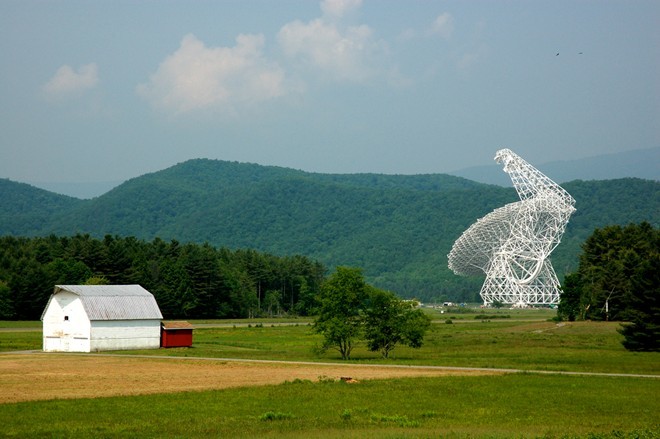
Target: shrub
275, 416
493, 316
298, 381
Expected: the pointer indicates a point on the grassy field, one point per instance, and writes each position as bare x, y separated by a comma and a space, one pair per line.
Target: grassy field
512, 405
527, 340
584, 346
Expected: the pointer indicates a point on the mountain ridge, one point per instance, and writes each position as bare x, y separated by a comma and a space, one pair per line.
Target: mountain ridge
640, 163
399, 229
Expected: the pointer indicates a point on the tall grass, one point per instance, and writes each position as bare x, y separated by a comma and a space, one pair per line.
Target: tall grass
516, 405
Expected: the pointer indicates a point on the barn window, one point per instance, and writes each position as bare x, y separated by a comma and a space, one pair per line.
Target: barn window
66, 318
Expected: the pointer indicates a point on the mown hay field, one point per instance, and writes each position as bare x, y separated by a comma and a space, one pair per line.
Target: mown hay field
44, 376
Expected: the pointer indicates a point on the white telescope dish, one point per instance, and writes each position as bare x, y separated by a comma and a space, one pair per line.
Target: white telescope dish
511, 245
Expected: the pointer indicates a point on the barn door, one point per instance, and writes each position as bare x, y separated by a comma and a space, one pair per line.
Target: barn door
52, 344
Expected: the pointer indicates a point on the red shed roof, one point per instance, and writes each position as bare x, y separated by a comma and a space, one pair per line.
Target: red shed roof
177, 325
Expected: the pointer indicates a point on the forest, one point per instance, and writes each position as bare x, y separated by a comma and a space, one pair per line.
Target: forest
618, 279
397, 228
188, 280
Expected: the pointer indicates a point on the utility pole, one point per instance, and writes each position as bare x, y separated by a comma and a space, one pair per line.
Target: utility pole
607, 306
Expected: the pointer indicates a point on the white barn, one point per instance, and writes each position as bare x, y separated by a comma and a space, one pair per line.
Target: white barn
90, 318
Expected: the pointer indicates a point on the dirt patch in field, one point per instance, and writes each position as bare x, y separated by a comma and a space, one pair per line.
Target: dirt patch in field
40, 376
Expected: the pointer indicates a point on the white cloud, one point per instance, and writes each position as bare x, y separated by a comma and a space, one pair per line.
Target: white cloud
66, 81
196, 76
339, 52
324, 46
408, 35
443, 25
469, 59
339, 8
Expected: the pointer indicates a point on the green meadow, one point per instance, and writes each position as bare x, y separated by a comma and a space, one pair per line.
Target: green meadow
513, 405
523, 404
515, 339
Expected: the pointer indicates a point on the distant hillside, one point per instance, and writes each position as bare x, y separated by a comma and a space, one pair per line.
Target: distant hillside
399, 229
630, 164
642, 163
26, 210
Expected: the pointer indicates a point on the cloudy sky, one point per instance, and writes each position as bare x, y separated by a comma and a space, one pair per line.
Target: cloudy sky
110, 90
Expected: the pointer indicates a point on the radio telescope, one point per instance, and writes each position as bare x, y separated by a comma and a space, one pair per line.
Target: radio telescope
512, 243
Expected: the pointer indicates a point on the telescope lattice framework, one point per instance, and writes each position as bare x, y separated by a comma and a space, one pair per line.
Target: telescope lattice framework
512, 243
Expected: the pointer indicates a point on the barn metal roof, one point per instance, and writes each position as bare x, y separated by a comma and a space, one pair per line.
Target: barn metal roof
114, 302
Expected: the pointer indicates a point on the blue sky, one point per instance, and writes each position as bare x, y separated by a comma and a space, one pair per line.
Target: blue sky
109, 90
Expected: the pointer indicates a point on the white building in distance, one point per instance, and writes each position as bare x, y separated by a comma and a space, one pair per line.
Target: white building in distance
90, 318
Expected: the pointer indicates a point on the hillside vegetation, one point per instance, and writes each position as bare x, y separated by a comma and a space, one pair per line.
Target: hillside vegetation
398, 228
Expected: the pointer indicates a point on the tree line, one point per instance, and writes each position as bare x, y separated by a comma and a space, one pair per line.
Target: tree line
188, 280
618, 279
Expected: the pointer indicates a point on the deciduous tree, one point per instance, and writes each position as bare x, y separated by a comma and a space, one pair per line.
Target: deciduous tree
390, 321
341, 303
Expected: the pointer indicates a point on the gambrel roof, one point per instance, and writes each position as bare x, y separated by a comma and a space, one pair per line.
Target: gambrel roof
113, 302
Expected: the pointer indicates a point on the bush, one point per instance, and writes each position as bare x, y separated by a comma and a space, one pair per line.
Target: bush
641, 336
493, 316
275, 416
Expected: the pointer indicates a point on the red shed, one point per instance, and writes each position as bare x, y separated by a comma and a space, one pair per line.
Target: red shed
176, 335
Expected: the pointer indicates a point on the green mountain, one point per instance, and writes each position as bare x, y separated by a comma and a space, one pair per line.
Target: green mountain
26, 210
398, 228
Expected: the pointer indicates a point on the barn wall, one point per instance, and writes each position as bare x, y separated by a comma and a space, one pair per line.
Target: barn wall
66, 335
125, 334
